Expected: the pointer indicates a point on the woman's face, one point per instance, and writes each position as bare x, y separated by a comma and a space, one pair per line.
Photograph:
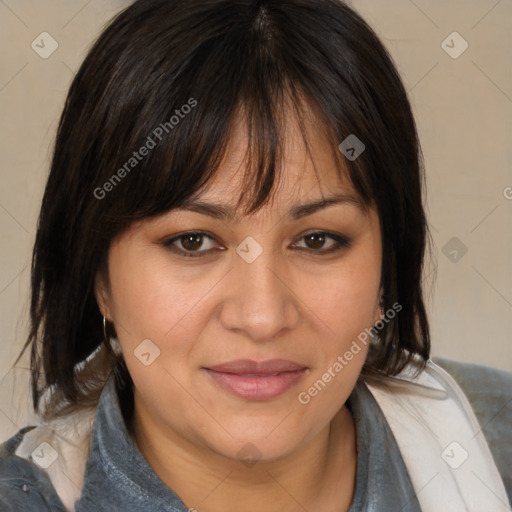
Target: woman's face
202, 319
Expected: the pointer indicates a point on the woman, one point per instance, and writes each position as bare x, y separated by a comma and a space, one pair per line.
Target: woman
235, 208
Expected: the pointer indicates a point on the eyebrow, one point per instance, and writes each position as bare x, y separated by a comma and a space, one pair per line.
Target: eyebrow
226, 213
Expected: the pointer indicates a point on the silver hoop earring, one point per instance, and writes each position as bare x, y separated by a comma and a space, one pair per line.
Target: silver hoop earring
106, 339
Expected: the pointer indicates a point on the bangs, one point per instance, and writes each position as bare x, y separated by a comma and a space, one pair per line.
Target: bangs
265, 132
185, 112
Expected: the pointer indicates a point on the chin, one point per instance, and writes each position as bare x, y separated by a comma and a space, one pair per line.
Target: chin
261, 443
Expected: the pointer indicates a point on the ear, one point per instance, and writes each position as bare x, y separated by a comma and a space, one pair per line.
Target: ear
102, 296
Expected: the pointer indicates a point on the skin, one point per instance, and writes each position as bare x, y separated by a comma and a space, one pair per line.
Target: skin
292, 302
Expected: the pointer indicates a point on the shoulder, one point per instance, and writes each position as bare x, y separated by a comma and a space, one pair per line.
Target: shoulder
489, 391
24, 486
50, 458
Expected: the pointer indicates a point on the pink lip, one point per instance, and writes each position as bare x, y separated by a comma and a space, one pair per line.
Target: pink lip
254, 380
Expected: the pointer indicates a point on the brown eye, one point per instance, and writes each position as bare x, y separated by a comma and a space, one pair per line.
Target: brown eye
191, 244
316, 242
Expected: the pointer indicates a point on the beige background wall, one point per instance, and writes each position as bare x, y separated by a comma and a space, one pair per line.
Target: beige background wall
463, 108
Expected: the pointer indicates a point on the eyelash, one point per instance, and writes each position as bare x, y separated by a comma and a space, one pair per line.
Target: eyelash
342, 242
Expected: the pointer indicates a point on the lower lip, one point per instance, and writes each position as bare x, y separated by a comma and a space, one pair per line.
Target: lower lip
256, 388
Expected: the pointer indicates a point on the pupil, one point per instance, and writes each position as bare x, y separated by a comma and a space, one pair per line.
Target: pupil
191, 242
317, 240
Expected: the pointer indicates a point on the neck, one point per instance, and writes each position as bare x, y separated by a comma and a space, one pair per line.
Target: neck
318, 476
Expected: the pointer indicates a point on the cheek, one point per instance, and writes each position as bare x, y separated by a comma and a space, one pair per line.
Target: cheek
344, 302
345, 299
345, 309
169, 307
149, 299
152, 303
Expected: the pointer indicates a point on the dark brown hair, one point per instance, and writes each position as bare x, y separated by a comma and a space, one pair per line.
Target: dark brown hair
217, 57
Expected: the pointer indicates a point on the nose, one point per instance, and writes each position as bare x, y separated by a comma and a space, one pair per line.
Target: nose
259, 301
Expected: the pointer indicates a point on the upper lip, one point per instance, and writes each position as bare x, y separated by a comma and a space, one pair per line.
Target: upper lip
243, 366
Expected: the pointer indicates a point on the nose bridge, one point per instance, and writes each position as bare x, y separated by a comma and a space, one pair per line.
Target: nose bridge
258, 301
260, 281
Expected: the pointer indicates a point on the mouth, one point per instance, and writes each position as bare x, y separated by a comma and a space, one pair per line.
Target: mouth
253, 380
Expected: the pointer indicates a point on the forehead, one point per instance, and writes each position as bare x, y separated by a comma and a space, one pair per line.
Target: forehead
308, 165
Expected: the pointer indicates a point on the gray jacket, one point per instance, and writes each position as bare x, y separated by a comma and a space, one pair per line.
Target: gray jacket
117, 476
